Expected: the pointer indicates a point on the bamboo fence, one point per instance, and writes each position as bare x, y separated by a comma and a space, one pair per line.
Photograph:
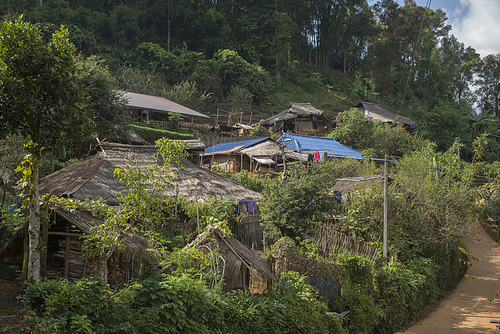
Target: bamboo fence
330, 241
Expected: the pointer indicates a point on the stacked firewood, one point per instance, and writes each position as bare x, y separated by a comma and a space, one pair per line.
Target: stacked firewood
75, 258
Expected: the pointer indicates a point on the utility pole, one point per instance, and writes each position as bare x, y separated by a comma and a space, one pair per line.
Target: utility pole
386, 205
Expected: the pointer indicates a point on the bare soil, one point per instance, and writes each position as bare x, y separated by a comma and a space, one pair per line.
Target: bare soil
467, 308
8, 306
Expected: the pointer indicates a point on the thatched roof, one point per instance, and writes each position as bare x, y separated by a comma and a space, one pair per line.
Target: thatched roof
295, 110
135, 139
347, 184
195, 144
155, 103
242, 126
270, 148
92, 177
84, 221
251, 258
375, 112
261, 148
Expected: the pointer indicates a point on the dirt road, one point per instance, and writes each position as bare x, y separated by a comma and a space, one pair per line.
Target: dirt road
8, 306
467, 309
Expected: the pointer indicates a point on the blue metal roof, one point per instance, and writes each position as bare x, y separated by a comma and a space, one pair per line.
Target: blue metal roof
310, 144
223, 147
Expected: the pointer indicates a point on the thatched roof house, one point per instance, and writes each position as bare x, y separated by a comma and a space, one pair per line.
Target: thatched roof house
92, 177
63, 256
299, 118
254, 155
375, 112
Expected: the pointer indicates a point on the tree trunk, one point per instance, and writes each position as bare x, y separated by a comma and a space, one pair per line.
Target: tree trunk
34, 231
103, 265
169, 24
345, 66
103, 260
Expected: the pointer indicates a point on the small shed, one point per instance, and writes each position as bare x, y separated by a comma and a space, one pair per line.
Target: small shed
254, 155
377, 113
345, 187
62, 255
348, 184
244, 268
299, 118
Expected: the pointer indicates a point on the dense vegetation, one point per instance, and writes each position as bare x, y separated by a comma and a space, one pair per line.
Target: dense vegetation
268, 53
259, 55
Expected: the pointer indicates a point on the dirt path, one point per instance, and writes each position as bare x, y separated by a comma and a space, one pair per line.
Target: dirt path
8, 306
467, 309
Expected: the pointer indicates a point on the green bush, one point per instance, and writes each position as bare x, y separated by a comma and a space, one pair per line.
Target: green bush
175, 304
294, 206
35, 295
291, 306
363, 314
151, 135
405, 290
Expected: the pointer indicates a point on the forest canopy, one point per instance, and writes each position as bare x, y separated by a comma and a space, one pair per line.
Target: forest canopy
403, 57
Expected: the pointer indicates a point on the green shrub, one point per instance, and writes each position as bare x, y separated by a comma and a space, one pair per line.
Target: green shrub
175, 304
35, 295
152, 135
363, 314
291, 306
405, 290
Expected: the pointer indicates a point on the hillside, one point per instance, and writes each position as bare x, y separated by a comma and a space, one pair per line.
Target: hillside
260, 56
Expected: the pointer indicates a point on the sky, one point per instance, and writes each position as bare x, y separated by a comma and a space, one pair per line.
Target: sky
476, 23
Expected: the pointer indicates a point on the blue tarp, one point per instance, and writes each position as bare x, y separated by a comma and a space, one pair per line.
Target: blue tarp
223, 147
310, 144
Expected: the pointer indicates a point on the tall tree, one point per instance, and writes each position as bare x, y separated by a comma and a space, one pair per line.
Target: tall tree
41, 100
459, 65
110, 113
489, 84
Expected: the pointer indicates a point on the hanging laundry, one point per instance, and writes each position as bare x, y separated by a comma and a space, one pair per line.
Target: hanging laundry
337, 195
316, 155
243, 207
252, 205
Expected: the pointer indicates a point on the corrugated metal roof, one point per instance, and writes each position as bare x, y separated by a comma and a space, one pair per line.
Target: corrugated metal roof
374, 111
224, 147
306, 144
156, 103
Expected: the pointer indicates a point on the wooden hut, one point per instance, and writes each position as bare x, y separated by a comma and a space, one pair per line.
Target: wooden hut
244, 269
299, 118
146, 108
62, 255
254, 155
377, 113
93, 178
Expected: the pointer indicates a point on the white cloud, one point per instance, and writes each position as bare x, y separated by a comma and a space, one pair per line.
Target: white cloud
476, 24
